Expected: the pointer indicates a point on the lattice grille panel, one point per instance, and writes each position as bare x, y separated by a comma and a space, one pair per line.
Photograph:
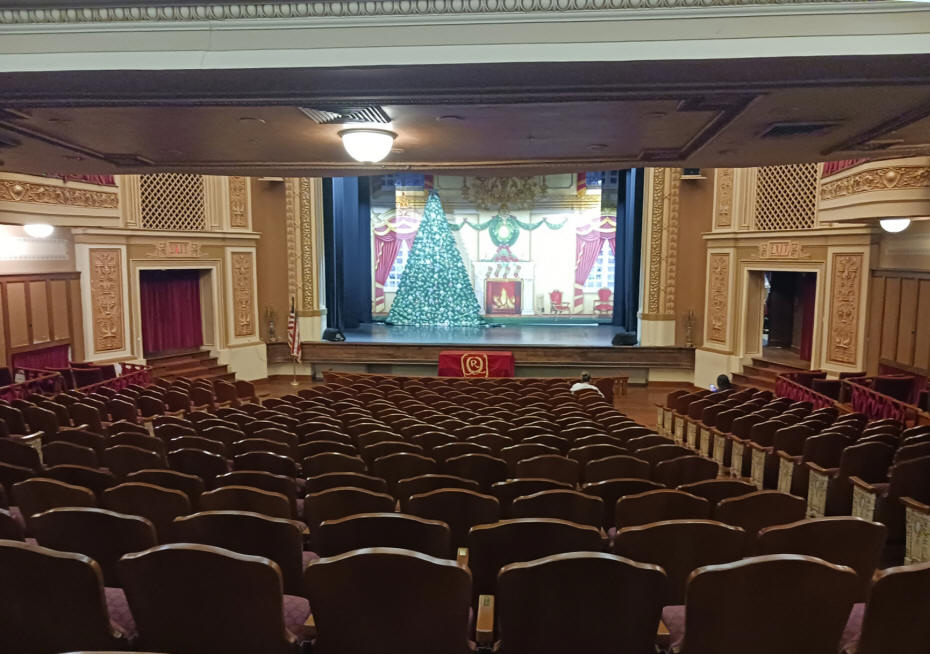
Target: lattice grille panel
786, 197
173, 202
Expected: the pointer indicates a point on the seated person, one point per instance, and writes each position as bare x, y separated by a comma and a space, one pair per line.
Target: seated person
585, 385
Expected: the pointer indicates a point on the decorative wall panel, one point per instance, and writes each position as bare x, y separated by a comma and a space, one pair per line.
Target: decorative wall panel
719, 284
243, 283
844, 309
880, 179
32, 193
106, 298
723, 202
307, 238
238, 202
173, 202
786, 197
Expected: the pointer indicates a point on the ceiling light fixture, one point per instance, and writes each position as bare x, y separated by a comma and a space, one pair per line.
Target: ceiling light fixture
895, 225
367, 145
38, 230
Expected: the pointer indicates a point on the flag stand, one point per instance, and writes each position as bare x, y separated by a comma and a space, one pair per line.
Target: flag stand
294, 381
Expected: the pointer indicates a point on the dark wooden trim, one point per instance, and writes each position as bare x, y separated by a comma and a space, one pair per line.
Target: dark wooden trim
40, 276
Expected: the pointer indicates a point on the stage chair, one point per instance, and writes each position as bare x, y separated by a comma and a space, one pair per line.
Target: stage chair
320, 464
458, 508
757, 510
200, 599
840, 540
276, 464
156, 504
660, 504
206, 465
714, 490
804, 607
383, 530
830, 489
602, 601
614, 467
329, 480
249, 533
124, 459
550, 466
191, 485
562, 504
266, 481
679, 547
882, 502
40, 494
246, 498
426, 483
39, 583
482, 468
394, 467
103, 535
63, 452
199, 443
894, 619
338, 503
92, 478
685, 470
413, 602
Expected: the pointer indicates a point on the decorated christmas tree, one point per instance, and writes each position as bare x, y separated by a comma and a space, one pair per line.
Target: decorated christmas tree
435, 288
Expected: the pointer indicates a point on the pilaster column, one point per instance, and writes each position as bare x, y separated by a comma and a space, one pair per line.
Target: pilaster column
659, 256
304, 201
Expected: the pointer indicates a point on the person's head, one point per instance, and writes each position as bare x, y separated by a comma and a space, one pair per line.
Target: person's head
723, 382
586, 377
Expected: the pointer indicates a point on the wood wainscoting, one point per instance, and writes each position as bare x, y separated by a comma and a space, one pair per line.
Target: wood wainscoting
40, 311
899, 321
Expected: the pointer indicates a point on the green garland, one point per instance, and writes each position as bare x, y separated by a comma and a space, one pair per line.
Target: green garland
505, 230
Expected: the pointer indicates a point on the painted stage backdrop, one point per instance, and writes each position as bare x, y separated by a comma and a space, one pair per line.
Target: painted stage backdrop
453, 250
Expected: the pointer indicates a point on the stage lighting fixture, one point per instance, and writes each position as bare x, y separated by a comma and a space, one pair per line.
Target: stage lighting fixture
895, 225
38, 230
367, 145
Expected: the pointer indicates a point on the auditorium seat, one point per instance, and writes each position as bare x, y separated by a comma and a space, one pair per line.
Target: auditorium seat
525, 450
311, 448
431, 440
39, 584
95, 441
685, 470
550, 466
200, 599
656, 505
894, 619
203, 464
460, 509
614, 467
482, 468
266, 481
248, 533
246, 498
383, 530
321, 464
224, 434
139, 441
394, 467
40, 494
804, 606
823, 449
124, 459
95, 479
568, 505
336, 503
324, 481
841, 540
494, 442
679, 547
597, 603
611, 490
508, 490
103, 535
714, 490
276, 464
199, 443
62, 452
190, 485
410, 602
881, 502
17, 453
157, 504
867, 461
430, 482
585, 453
655, 454
759, 509
371, 452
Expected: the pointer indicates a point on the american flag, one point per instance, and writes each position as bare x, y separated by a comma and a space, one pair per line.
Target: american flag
293, 332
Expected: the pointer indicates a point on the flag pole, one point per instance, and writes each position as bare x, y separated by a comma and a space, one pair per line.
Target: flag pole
293, 338
294, 381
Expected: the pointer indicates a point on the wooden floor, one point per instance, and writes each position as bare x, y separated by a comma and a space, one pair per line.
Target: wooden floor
639, 402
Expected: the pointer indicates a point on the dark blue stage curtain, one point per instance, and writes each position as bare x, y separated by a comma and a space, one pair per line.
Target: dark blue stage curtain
347, 236
629, 235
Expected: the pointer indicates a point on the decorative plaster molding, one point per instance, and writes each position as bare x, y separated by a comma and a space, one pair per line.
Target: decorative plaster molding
724, 198
238, 202
242, 284
292, 219
31, 193
657, 201
719, 296
175, 249
502, 194
844, 311
17, 248
783, 250
131, 12
307, 237
879, 179
106, 298
671, 254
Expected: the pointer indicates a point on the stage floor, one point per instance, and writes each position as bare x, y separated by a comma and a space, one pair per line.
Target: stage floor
505, 336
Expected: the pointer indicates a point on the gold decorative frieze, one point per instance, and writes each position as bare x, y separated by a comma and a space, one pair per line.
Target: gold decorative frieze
175, 249
238, 202
719, 296
782, 250
243, 300
724, 199
671, 261
307, 237
879, 179
106, 298
656, 227
844, 311
503, 194
32, 193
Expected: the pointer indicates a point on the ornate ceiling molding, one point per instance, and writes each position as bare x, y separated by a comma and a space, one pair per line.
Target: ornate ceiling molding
879, 179
138, 12
29, 193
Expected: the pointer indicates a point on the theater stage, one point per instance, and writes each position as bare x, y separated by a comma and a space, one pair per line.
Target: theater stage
539, 351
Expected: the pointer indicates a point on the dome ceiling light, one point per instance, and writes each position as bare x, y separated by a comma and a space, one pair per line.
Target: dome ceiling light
367, 145
895, 225
38, 230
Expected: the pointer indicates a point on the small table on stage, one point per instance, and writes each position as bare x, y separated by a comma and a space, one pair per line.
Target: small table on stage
473, 363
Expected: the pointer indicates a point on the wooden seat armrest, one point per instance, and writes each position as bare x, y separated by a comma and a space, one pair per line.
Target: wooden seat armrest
824, 471
310, 626
917, 505
761, 448
461, 556
788, 457
29, 439
660, 405
864, 485
484, 625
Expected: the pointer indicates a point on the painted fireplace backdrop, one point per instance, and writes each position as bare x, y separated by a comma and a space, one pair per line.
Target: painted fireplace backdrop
540, 247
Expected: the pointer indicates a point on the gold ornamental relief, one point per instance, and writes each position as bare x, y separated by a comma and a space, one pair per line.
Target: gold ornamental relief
880, 179
782, 250
106, 298
175, 250
238, 202
724, 197
719, 297
655, 239
844, 309
307, 238
503, 194
243, 302
31, 193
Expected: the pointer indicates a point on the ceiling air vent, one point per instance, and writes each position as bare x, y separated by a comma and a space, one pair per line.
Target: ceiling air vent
341, 115
781, 130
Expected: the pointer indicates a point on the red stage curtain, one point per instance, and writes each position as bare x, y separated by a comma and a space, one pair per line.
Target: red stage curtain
387, 245
49, 357
808, 298
587, 247
170, 302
